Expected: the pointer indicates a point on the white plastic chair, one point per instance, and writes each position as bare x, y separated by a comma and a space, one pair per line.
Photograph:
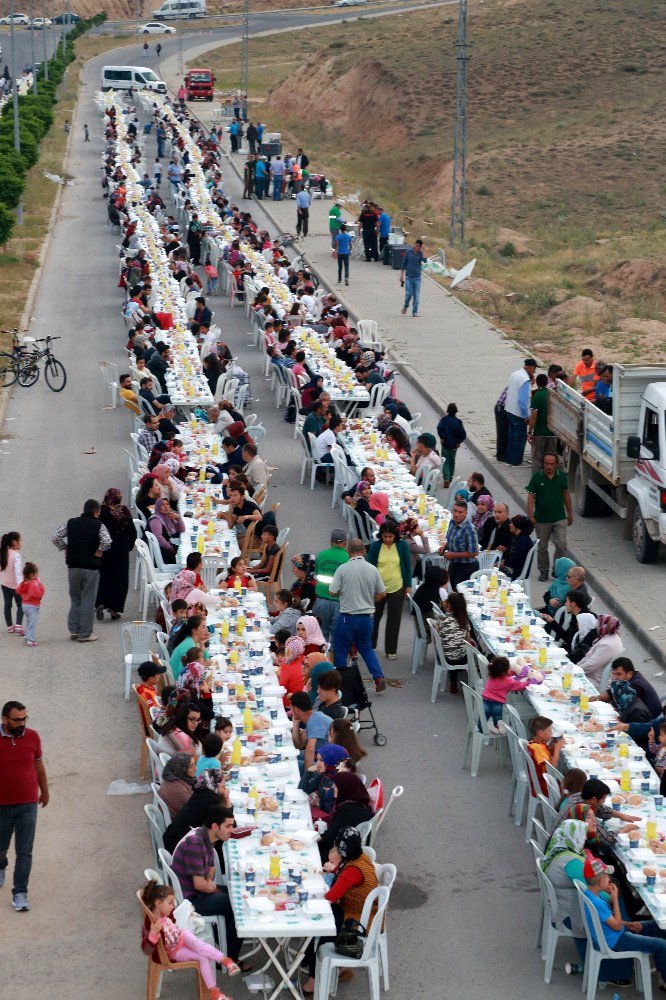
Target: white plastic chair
548, 812
156, 828
553, 928
596, 953
512, 716
488, 559
158, 802
532, 783
368, 829
554, 790
442, 665
478, 736
156, 764
524, 576
317, 463
519, 782
211, 571
541, 834
135, 642
329, 962
282, 537
110, 378
307, 457
386, 876
162, 568
421, 637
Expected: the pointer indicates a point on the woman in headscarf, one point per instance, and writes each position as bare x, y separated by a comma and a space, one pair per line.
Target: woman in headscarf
585, 636
291, 671
352, 806
314, 664
148, 493
629, 706
177, 782
360, 501
521, 529
166, 526
169, 487
309, 630
379, 506
559, 586
355, 878
213, 368
319, 780
563, 863
183, 582
605, 648
303, 568
114, 572
208, 790
484, 512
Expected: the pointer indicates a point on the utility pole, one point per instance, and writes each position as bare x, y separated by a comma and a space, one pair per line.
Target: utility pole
245, 55
46, 58
32, 45
181, 68
460, 131
17, 131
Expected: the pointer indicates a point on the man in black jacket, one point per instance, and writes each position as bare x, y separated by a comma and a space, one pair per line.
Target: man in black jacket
83, 539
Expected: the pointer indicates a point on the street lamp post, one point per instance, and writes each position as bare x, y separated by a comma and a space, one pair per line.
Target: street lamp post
17, 131
32, 46
46, 58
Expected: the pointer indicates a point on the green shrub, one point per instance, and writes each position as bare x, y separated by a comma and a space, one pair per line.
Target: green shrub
508, 250
7, 221
11, 187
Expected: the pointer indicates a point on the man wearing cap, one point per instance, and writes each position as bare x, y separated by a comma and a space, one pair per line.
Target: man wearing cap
517, 407
424, 456
621, 935
334, 220
327, 606
359, 586
410, 277
150, 672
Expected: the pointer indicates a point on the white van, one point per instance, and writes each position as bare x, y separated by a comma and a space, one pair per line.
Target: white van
124, 77
172, 9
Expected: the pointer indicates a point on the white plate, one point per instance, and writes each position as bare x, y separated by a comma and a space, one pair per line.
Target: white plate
260, 904
642, 854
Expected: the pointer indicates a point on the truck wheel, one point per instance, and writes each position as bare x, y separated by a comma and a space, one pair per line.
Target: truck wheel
645, 547
588, 504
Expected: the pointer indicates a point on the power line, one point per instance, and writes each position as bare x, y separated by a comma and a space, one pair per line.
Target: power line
460, 131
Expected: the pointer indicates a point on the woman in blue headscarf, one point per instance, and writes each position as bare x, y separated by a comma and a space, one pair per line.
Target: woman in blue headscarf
629, 706
319, 781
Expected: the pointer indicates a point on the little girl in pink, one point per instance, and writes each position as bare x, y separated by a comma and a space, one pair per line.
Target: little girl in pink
181, 945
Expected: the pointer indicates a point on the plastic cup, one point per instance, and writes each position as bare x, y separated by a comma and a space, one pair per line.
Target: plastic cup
278, 739
659, 802
286, 814
291, 888
302, 896
634, 842
651, 881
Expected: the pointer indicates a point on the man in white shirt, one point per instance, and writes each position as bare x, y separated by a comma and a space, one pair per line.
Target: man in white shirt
256, 469
308, 299
326, 440
517, 406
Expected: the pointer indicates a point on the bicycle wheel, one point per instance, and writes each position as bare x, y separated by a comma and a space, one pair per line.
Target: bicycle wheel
8, 372
55, 375
28, 373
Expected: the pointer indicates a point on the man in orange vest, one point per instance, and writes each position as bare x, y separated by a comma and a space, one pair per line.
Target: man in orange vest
585, 372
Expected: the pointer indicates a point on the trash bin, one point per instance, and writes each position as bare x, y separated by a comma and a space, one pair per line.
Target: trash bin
386, 255
397, 254
271, 148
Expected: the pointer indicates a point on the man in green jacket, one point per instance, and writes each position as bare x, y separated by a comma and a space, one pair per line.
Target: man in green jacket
334, 221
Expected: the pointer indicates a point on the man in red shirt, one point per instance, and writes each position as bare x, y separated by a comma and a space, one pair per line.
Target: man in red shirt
23, 785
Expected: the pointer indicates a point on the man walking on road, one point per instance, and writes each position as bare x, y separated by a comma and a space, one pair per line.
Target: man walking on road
549, 507
327, 606
83, 539
23, 786
517, 407
410, 277
334, 221
302, 212
343, 242
359, 586
543, 441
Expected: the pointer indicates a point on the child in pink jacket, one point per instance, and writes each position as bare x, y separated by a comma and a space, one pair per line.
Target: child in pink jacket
31, 591
501, 681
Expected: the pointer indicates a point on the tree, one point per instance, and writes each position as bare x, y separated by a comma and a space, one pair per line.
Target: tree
7, 221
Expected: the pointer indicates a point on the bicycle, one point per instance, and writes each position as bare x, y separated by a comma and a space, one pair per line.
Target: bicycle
10, 363
54, 370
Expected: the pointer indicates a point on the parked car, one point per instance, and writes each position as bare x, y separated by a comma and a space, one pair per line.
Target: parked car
66, 18
348, 3
39, 23
16, 18
155, 28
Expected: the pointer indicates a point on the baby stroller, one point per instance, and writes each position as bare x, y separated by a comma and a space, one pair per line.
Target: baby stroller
355, 698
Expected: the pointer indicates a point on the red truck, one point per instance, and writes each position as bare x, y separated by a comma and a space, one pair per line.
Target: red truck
199, 85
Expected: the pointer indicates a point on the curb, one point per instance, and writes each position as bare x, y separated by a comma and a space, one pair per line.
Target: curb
655, 649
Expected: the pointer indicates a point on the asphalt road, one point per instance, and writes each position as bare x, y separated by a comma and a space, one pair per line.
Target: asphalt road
23, 46
463, 910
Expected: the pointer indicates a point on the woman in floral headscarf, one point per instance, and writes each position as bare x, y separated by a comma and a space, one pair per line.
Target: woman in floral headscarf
291, 671
166, 526
629, 706
114, 573
303, 568
484, 512
605, 648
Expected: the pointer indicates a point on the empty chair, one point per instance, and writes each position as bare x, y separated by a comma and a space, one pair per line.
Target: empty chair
519, 782
488, 559
420, 638
156, 828
211, 571
110, 378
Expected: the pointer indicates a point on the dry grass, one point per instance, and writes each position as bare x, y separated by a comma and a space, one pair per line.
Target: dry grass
566, 144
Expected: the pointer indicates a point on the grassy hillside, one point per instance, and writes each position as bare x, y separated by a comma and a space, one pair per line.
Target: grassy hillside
566, 148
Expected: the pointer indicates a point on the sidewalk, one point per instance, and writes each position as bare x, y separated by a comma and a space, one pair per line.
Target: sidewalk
452, 354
